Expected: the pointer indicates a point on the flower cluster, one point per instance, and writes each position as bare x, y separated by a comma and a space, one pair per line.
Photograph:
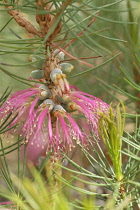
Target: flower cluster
43, 113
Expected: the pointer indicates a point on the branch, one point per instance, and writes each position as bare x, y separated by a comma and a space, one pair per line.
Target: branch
23, 22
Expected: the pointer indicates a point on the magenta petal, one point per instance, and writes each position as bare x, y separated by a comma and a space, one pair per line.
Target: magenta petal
66, 136
50, 127
41, 118
33, 105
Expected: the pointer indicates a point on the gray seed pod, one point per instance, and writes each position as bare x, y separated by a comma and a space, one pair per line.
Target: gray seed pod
54, 73
37, 74
60, 55
66, 67
50, 103
58, 108
45, 93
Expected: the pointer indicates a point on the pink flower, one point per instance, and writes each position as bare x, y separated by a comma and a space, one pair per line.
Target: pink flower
48, 134
91, 107
67, 131
38, 130
19, 106
45, 117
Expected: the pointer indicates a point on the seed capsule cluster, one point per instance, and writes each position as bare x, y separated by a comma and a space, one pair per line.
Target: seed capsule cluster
57, 90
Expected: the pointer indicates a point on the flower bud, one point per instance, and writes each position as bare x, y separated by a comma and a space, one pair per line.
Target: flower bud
55, 72
37, 74
60, 55
50, 103
70, 106
58, 109
39, 61
45, 92
66, 67
64, 99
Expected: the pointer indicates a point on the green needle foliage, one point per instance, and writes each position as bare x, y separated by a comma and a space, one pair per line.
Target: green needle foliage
35, 194
115, 167
111, 130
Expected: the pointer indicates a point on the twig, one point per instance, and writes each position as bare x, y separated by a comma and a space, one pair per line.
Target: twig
23, 22
82, 58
